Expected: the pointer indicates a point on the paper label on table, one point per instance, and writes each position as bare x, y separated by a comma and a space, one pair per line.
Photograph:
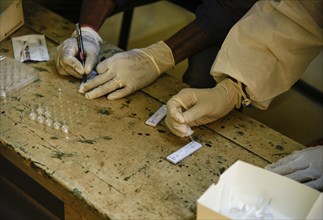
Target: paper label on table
30, 48
183, 152
157, 116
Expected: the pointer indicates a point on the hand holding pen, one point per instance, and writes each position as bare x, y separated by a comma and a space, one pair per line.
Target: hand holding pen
69, 61
81, 48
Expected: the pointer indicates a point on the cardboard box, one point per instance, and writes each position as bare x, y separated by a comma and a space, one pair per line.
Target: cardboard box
288, 197
11, 17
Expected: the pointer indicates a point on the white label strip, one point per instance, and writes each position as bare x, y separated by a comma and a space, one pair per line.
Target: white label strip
183, 152
157, 116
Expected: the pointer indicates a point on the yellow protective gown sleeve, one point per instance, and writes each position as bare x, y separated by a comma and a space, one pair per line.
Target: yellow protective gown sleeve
269, 49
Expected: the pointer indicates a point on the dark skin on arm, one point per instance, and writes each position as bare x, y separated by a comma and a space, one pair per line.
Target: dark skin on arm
93, 13
183, 44
188, 41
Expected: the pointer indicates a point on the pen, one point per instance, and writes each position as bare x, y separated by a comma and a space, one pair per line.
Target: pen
81, 48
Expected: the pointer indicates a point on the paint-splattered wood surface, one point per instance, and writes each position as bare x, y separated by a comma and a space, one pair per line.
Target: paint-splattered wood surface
114, 166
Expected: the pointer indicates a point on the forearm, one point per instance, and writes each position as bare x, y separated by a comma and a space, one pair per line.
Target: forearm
93, 13
188, 41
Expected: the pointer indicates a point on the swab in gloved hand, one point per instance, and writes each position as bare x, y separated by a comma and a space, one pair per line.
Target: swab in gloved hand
177, 125
201, 106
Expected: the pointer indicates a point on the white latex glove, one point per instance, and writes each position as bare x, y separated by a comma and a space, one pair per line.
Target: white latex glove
201, 106
126, 72
67, 52
305, 166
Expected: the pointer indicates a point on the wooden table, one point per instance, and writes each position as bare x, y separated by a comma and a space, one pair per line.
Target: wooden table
115, 167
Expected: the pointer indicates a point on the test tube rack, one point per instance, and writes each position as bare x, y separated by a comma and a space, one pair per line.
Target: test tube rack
59, 115
14, 75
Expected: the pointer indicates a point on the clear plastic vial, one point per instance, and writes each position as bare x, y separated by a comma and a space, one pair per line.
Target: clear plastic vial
57, 125
65, 129
41, 119
40, 111
49, 122
33, 115
47, 114
3, 94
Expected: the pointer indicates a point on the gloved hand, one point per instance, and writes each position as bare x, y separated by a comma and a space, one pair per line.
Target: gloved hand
126, 72
201, 106
67, 52
305, 166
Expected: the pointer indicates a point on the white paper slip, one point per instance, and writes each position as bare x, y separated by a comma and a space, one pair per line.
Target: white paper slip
157, 116
30, 48
183, 152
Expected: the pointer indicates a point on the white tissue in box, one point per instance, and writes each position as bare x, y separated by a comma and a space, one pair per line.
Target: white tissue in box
249, 183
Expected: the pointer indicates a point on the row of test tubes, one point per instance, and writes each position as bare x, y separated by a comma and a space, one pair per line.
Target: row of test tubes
43, 116
59, 113
52, 115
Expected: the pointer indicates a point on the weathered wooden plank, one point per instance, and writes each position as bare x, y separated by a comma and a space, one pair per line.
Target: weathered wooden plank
116, 162
255, 136
237, 127
117, 159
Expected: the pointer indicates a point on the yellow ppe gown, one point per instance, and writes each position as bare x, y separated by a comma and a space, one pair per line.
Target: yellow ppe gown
269, 49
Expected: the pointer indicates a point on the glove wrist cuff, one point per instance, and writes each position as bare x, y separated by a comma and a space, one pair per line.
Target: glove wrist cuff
242, 98
87, 31
161, 55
